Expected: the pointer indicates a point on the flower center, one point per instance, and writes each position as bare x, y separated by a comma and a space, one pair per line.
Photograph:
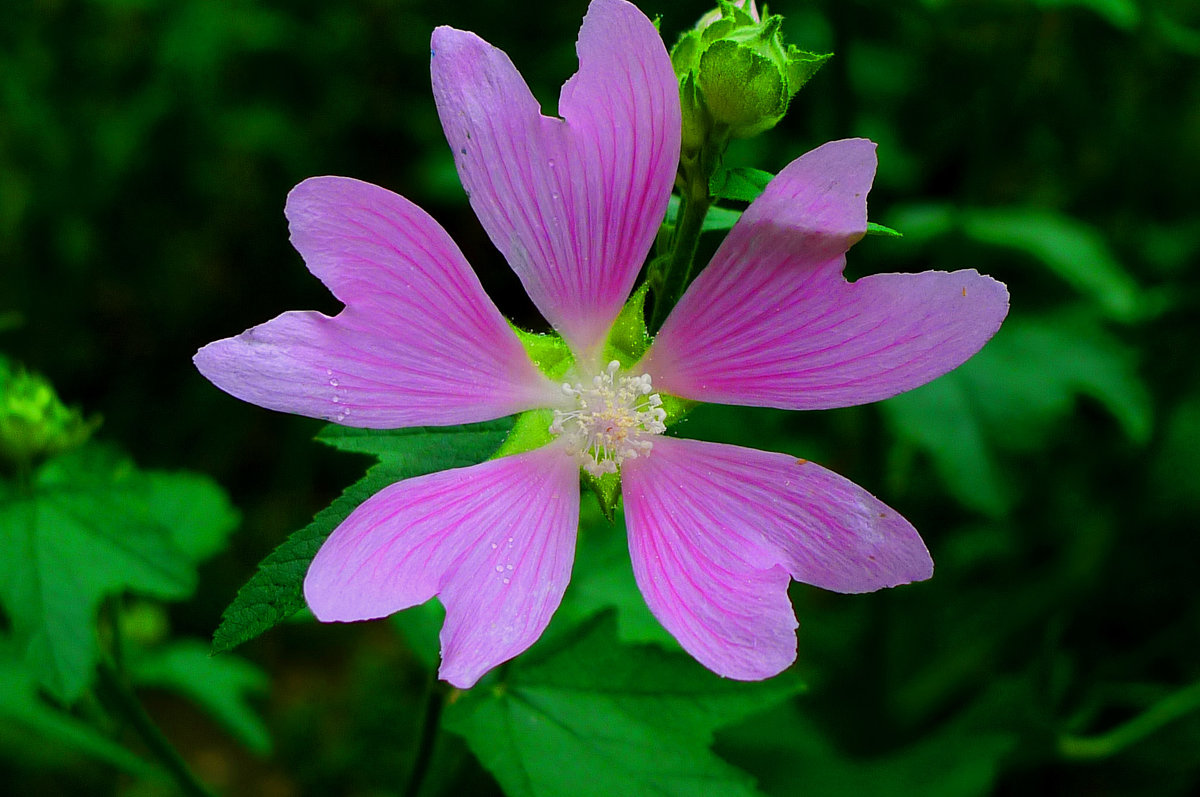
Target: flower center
614, 420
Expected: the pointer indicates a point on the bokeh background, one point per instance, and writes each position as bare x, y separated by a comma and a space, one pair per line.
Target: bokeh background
146, 147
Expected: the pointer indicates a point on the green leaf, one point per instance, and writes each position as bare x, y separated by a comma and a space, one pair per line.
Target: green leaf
421, 449
87, 529
630, 720
1013, 395
603, 580
960, 758
741, 184
195, 510
28, 722
941, 420
1123, 14
219, 685
1075, 251
274, 592
1026, 381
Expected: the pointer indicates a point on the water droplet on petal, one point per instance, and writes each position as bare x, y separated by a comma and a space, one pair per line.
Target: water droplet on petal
499, 568
507, 580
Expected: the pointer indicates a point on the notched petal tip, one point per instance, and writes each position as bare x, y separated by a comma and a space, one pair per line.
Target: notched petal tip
494, 542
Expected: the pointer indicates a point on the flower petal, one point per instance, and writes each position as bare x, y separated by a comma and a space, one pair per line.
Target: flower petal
772, 322
418, 343
494, 541
716, 530
574, 205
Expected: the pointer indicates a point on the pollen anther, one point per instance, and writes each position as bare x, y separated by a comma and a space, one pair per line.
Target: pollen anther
614, 419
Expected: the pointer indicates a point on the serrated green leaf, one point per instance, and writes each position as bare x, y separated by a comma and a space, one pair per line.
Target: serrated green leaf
218, 684
84, 531
274, 592
631, 720
37, 726
413, 449
740, 184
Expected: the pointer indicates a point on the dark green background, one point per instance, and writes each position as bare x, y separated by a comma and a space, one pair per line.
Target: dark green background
146, 148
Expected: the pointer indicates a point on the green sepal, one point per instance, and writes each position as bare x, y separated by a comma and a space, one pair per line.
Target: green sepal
607, 489
676, 408
548, 351
629, 338
531, 430
879, 229
801, 66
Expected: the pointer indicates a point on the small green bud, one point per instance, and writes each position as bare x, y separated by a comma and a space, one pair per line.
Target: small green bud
736, 75
34, 423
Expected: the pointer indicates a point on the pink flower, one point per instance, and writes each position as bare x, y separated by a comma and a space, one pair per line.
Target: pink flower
715, 531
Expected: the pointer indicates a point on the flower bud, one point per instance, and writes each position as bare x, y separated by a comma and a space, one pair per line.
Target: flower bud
736, 75
34, 423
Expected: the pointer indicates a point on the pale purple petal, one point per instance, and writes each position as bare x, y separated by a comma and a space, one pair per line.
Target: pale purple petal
418, 343
495, 542
574, 205
772, 322
715, 531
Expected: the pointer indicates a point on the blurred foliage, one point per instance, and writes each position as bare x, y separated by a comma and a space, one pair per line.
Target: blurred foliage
146, 147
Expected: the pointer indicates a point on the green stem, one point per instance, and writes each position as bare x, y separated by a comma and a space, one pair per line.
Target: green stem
121, 696
1169, 709
693, 207
695, 171
431, 719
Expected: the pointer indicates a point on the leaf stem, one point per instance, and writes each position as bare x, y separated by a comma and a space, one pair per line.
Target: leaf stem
1169, 709
122, 697
431, 720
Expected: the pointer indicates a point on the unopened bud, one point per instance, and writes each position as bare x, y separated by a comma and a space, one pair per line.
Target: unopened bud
736, 75
34, 423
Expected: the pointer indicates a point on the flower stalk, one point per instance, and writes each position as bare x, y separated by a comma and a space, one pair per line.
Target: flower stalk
694, 177
120, 696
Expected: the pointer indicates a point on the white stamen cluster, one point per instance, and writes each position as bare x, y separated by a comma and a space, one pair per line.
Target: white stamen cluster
613, 420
